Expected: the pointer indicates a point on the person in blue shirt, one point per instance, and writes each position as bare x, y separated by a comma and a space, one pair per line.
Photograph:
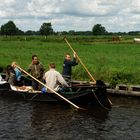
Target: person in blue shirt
17, 71
67, 65
17, 74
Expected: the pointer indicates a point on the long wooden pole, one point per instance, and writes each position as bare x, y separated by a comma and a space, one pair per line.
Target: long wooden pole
94, 81
48, 88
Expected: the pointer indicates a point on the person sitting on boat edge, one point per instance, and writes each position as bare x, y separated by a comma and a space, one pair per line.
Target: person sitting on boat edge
53, 78
67, 65
36, 69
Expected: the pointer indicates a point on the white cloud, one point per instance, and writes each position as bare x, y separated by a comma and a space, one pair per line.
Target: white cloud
119, 15
7, 3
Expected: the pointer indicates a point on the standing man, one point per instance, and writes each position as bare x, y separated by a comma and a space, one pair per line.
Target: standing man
36, 69
67, 65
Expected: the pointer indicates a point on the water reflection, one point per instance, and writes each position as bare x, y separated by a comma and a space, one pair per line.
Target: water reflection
58, 121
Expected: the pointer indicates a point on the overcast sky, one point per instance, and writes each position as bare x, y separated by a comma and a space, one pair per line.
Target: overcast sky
78, 15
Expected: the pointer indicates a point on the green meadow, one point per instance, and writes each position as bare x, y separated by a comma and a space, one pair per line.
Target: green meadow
112, 61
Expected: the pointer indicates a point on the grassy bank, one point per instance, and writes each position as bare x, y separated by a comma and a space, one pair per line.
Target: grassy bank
113, 62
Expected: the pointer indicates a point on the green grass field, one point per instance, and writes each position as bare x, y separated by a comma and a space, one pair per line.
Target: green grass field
113, 62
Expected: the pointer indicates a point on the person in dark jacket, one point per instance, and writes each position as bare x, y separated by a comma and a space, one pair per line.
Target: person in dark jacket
10, 75
67, 65
36, 69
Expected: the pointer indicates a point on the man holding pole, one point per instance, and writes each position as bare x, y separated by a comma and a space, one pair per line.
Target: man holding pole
67, 65
83, 65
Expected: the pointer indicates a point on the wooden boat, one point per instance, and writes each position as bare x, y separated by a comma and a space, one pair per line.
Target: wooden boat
84, 94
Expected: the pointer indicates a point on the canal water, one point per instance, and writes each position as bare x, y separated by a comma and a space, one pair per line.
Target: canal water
20, 120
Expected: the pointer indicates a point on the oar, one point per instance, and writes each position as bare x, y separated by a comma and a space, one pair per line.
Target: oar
49, 88
94, 81
80, 61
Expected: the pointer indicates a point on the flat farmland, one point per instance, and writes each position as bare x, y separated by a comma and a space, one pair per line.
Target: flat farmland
111, 61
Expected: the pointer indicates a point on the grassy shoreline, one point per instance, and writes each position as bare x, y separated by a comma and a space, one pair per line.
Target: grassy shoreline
113, 62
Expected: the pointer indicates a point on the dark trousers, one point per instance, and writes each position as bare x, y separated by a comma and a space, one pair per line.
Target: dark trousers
36, 85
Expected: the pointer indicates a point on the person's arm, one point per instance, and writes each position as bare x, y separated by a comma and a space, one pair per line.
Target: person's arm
42, 70
29, 68
61, 80
44, 76
74, 62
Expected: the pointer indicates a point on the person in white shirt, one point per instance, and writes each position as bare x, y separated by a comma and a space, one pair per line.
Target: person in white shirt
53, 78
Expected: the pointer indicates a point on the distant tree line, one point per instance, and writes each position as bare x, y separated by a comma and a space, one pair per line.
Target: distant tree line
10, 28
46, 29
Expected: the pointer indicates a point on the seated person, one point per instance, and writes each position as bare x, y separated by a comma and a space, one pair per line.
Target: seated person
2, 80
19, 81
36, 69
10, 75
53, 77
11, 80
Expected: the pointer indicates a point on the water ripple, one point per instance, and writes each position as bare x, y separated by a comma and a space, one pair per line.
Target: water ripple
40, 121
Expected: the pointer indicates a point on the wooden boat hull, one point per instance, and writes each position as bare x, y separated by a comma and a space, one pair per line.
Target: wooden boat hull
91, 95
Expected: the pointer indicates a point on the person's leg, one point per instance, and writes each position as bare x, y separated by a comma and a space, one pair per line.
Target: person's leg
35, 85
40, 86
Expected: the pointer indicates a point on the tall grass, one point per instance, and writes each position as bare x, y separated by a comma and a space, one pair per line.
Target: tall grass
113, 62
